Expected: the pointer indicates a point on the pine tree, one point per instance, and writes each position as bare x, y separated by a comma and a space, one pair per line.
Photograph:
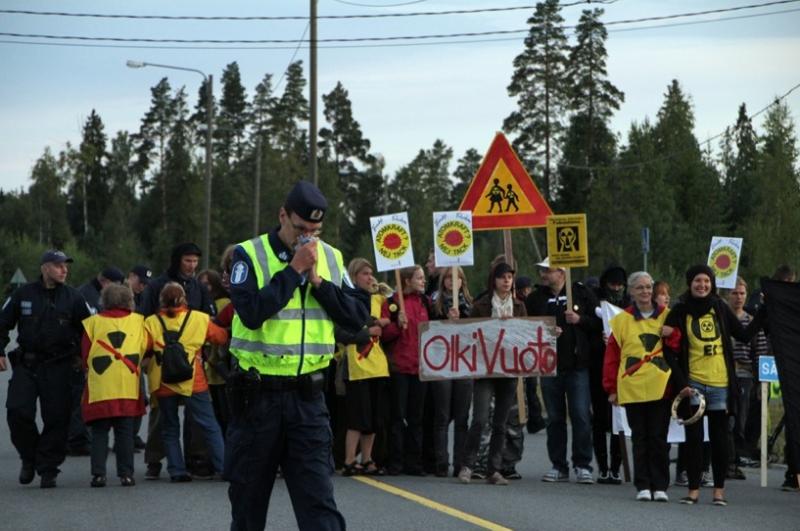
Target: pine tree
90, 191
233, 117
291, 110
48, 201
343, 140
593, 99
263, 109
539, 85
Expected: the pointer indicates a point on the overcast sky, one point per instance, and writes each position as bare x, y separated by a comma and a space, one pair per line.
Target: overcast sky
405, 97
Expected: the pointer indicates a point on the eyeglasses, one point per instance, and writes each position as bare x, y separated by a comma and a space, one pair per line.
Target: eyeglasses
302, 229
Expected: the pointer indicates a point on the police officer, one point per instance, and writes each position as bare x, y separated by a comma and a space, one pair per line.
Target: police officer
49, 315
286, 289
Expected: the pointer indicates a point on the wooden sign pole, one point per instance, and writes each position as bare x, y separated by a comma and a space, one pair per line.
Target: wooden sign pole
454, 289
764, 419
399, 292
508, 250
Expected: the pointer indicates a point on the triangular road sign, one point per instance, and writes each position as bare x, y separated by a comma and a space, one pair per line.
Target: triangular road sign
502, 195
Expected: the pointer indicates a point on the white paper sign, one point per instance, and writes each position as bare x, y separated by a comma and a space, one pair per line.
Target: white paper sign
676, 433
723, 258
452, 238
607, 312
487, 348
391, 239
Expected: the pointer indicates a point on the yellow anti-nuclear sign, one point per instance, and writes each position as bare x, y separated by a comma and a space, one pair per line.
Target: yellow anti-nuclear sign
567, 240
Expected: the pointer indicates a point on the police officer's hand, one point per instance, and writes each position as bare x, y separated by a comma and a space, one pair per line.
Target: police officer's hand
3, 365
375, 331
304, 257
313, 277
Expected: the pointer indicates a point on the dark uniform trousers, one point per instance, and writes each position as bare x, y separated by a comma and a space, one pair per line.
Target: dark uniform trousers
50, 383
279, 428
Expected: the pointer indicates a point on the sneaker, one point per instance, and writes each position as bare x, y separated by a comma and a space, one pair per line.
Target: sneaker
98, 481
734, 472
183, 478
511, 474
790, 484
660, 496
127, 481
644, 495
536, 425
707, 480
584, 476
720, 502
614, 478
749, 462
496, 479
27, 473
604, 478
465, 474
153, 471
48, 480
682, 479
477, 474
555, 476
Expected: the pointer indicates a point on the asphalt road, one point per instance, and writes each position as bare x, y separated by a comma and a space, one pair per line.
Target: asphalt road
525, 504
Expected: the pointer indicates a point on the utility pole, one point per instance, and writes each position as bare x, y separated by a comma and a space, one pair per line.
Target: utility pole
209, 126
312, 134
257, 190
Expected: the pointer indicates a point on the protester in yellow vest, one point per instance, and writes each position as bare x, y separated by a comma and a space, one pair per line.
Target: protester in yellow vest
114, 342
367, 370
196, 328
636, 375
286, 289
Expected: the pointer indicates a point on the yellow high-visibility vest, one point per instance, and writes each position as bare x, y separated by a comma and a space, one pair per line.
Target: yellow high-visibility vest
640, 339
109, 377
299, 338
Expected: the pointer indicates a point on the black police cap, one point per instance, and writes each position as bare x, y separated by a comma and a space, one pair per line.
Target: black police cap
306, 201
55, 256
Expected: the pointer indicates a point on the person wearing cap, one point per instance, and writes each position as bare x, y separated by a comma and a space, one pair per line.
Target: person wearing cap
571, 384
184, 259
138, 279
78, 442
498, 303
48, 316
286, 288
700, 353
611, 288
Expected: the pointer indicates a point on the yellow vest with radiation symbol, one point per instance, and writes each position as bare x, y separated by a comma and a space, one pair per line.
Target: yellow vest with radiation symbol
192, 339
299, 338
706, 359
371, 361
643, 372
118, 344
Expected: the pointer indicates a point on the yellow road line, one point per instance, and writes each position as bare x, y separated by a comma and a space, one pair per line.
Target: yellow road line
461, 515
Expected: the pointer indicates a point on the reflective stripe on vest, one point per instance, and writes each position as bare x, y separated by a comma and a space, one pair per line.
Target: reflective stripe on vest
299, 338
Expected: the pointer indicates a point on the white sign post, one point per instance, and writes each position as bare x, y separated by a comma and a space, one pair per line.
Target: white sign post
723, 258
767, 372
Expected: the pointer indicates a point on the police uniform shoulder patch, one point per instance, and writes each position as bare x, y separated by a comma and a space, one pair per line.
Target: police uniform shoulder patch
239, 272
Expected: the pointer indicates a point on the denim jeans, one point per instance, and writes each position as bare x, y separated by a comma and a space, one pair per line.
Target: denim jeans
569, 388
199, 405
483, 390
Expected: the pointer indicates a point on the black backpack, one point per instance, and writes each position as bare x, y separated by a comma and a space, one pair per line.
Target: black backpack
175, 366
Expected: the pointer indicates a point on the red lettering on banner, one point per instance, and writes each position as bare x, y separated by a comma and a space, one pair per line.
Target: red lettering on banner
458, 355
484, 351
446, 352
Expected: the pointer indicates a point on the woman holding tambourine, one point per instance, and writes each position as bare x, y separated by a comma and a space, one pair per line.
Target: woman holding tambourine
700, 353
636, 375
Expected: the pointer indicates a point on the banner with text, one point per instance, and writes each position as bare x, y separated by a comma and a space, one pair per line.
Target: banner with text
487, 348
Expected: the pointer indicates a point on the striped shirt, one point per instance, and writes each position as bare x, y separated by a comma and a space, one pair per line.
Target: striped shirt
746, 354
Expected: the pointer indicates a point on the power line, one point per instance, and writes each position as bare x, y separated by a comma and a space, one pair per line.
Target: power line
297, 49
382, 5
295, 17
382, 45
680, 152
376, 39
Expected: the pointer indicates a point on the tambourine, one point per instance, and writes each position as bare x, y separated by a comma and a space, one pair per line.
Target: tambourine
694, 418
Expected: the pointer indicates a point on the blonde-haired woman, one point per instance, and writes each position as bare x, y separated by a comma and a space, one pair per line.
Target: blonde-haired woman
194, 329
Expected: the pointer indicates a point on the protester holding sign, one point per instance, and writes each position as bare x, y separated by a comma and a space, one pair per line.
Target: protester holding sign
498, 303
451, 398
636, 375
700, 354
408, 392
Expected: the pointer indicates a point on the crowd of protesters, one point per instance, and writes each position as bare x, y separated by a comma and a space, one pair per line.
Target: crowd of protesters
386, 420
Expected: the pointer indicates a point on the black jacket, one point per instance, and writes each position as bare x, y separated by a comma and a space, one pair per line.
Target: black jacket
574, 343
197, 296
91, 293
729, 326
49, 320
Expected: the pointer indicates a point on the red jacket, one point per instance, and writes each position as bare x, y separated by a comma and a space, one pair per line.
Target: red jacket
405, 349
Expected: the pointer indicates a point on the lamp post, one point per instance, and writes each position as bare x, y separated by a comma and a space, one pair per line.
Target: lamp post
209, 80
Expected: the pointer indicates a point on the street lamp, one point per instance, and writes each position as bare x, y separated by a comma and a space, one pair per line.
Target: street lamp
209, 79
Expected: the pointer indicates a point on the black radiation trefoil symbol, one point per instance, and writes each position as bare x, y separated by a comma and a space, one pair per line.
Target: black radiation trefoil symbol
649, 342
